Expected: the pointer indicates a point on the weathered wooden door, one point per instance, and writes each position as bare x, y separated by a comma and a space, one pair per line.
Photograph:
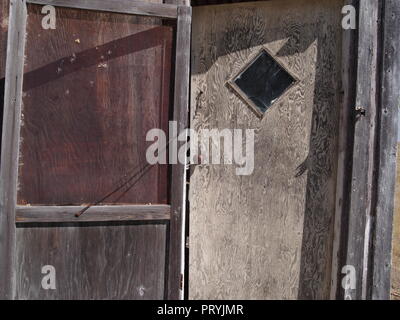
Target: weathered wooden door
83, 215
267, 235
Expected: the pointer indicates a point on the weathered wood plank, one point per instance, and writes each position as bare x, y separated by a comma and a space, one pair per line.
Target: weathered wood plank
343, 184
178, 179
218, 2
42, 214
120, 6
178, 2
9, 148
357, 243
387, 141
92, 261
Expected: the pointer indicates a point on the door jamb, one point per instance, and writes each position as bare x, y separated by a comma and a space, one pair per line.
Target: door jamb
367, 155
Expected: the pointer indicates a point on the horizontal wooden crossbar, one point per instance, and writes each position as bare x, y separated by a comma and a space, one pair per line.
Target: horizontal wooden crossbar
43, 214
121, 6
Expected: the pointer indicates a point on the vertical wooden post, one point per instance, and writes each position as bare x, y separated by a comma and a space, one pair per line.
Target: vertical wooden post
366, 221
389, 101
9, 148
178, 180
359, 217
345, 144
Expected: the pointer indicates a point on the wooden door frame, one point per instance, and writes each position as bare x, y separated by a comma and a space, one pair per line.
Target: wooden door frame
10, 213
367, 151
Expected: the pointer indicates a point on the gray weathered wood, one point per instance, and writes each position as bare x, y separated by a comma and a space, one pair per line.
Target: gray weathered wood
219, 2
267, 235
43, 214
178, 180
92, 261
178, 2
349, 72
121, 6
359, 216
388, 126
366, 225
10, 141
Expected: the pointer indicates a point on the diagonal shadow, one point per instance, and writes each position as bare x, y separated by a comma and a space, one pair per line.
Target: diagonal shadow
93, 56
62, 67
240, 37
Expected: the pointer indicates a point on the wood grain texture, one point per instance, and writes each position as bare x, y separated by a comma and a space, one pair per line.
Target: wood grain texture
178, 178
4, 8
44, 214
145, 8
217, 2
387, 141
10, 143
92, 261
357, 244
95, 260
345, 149
267, 235
93, 88
395, 267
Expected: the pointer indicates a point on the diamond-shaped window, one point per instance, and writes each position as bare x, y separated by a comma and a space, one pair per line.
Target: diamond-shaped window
262, 82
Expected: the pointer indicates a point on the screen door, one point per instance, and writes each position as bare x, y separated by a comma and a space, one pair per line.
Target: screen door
83, 213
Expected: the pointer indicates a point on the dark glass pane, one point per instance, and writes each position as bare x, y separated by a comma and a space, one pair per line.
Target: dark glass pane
263, 81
